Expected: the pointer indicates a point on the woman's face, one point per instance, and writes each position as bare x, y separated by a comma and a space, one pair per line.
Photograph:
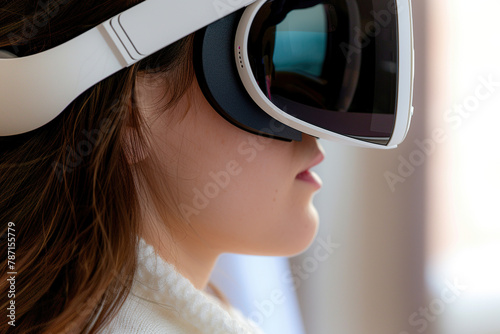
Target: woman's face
240, 193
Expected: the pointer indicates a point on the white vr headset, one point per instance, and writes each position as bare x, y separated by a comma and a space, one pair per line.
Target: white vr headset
340, 70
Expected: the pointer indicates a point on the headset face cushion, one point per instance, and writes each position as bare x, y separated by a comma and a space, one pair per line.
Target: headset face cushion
220, 82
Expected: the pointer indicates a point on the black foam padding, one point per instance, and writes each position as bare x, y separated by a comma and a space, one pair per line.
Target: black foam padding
218, 77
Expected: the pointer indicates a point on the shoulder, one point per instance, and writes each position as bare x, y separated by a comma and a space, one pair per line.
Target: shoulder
142, 316
161, 300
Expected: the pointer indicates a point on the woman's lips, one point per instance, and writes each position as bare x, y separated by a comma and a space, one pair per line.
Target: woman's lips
309, 176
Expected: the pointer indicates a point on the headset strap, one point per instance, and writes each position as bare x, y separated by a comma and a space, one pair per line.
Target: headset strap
36, 88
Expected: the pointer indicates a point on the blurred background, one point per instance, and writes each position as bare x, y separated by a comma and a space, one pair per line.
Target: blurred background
409, 239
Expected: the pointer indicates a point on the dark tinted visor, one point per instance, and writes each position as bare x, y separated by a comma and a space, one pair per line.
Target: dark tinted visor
332, 64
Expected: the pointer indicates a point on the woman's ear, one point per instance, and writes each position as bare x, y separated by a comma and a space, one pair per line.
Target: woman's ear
136, 149
135, 140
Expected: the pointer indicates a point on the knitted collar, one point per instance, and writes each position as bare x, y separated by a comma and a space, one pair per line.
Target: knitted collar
158, 281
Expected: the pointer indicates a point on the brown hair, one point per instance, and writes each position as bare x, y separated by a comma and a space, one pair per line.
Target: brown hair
67, 186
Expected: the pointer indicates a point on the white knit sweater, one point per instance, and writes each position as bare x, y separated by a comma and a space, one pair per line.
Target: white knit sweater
163, 301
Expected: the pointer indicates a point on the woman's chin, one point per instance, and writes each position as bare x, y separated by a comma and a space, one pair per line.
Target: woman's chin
308, 235
299, 235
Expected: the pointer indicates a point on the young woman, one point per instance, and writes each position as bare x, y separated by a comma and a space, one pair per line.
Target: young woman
121, 205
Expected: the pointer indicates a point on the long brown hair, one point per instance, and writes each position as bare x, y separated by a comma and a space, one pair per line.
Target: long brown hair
67, 187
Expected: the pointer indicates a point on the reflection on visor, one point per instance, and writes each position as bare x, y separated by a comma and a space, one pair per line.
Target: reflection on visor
301, 44
315, 61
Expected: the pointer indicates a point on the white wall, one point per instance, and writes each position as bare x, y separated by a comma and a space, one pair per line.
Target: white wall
375, 279
463, 195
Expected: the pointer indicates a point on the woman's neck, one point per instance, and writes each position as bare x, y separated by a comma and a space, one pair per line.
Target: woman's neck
190, 255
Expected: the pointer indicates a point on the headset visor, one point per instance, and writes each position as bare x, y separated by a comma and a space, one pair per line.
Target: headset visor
330, 63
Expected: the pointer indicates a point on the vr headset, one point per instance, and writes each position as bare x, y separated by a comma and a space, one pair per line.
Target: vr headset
341, 70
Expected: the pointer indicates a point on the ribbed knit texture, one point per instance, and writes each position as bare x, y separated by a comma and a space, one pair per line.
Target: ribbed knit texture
163, 301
